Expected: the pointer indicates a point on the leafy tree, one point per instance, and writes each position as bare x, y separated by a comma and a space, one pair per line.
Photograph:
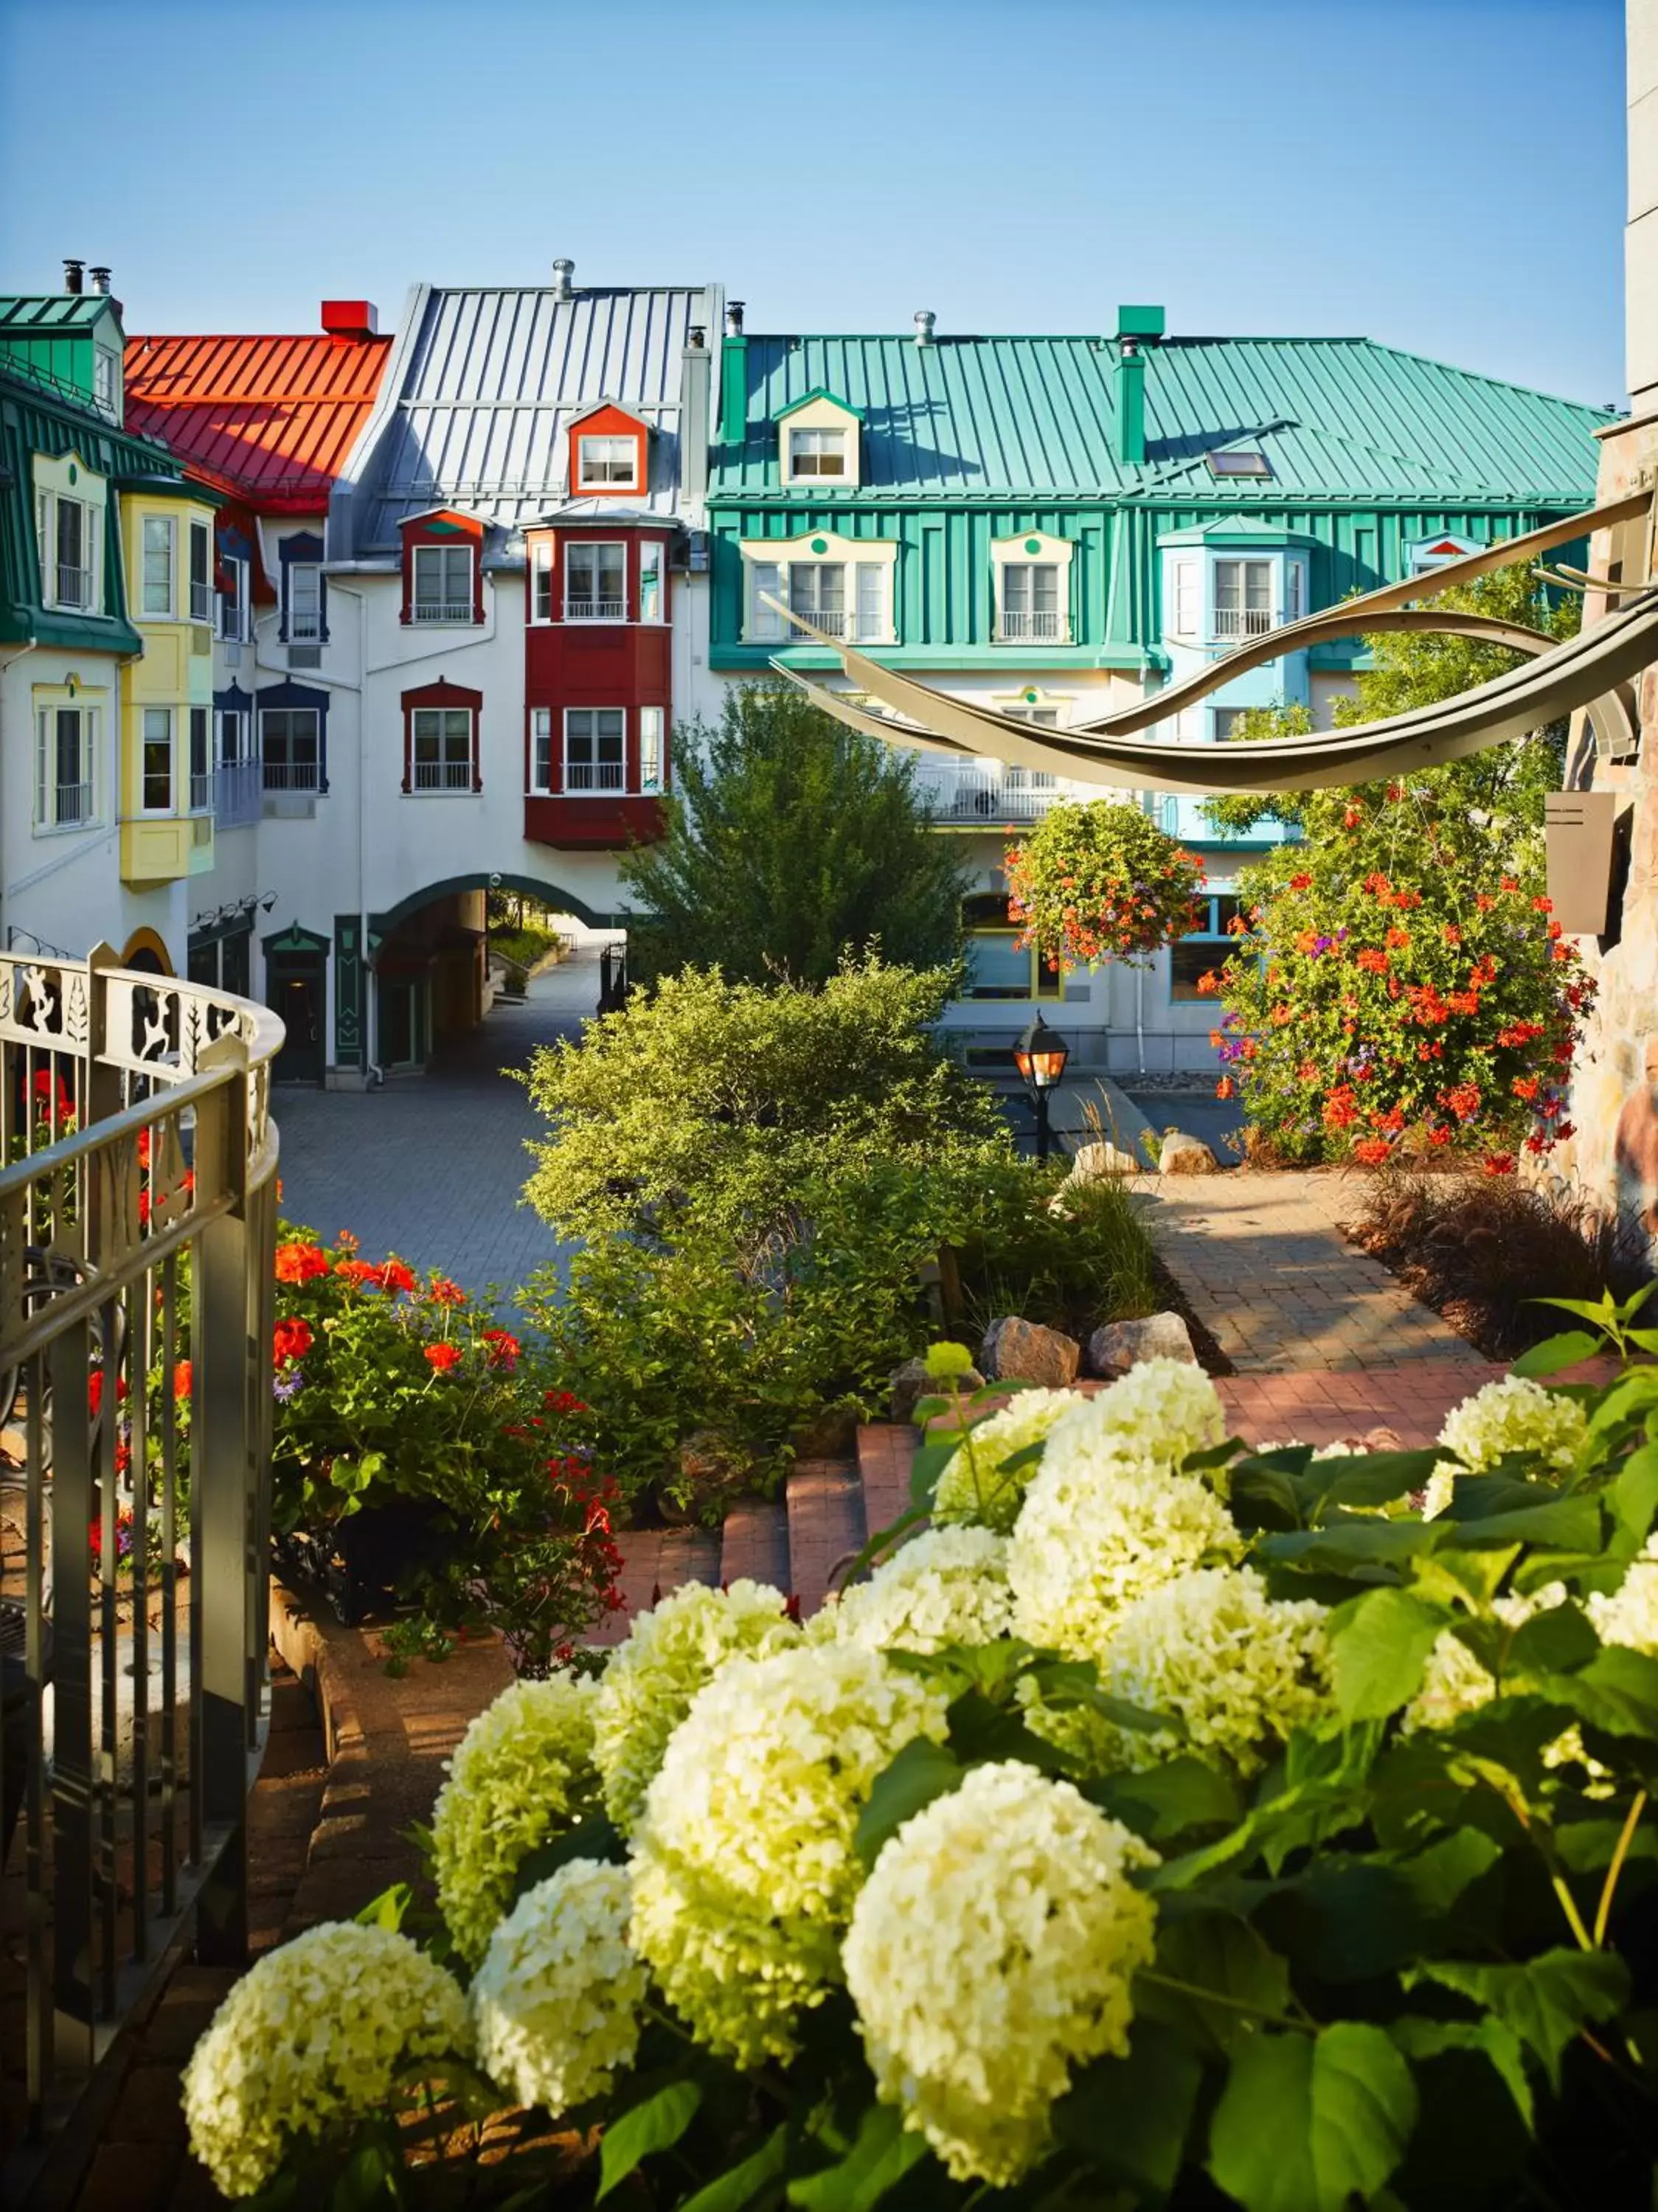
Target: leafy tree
724, 1099
1398, 986
792, 840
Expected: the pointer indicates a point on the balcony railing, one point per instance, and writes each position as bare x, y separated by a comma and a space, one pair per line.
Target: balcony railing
1021, 628
984, 797
74, 585
1242, 621
236, 788
72, 804
292, 776
834, 622
442, 611
584, 610
442, 776
305, 623
137, 1220
594, 775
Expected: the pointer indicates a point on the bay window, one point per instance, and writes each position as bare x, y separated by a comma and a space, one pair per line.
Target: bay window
155, 552
442, 748
595, 749
595, 583
65, 769
201, 761
201, 572
540, 751
541, 582
653, 563
651, 749
156, 762
1243, 598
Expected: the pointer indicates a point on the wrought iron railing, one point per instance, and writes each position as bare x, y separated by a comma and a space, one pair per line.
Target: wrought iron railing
443, 775
138, 1217
593, 609
594, 775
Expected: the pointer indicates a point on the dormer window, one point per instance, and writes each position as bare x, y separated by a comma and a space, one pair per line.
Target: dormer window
606, 464
817, 453
442, 589
819, 442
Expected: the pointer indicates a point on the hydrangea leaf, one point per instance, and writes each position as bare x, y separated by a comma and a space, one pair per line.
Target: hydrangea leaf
1378, 1646
739, 2187
1634, 1493
880, 2156
1431, 2039
654, 2124
1308, 2124
924, 1770
1558, 1642
1129, 2117
1213, 1981
1547, 2002
595, 1837
1170, 1800
1555, 1353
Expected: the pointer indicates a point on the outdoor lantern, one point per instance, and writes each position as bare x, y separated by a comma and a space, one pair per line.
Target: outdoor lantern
1040, 1056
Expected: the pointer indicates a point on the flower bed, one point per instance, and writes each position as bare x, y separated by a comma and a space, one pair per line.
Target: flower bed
1212, 1827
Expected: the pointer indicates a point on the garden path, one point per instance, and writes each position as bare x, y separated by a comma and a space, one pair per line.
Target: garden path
432, 1166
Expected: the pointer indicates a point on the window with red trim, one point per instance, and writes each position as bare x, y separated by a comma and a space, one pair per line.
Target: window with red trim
440, 740
609, 455
442, 570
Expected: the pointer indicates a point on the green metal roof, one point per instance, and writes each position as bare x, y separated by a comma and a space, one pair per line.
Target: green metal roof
42, 313
1336, 418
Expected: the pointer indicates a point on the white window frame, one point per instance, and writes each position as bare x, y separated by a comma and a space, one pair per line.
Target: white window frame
146, 740
653, 567
653, 758
595, 790
444, 609
1032, 625
591, 608
1187, 614
540, 761
868, 570
200, 595
541, 581
241, 717
445, 785
106, 383
811, 443
1230, 625
601, 478
293, 570
233, 606
201, 778
48, 505
168, 524
48, 791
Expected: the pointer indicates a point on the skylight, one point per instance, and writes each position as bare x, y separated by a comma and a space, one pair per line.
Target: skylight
1239, 462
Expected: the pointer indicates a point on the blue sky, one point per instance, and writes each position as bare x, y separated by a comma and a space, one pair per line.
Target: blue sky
1445, 175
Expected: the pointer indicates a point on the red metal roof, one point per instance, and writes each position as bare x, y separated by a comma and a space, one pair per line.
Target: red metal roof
271, 419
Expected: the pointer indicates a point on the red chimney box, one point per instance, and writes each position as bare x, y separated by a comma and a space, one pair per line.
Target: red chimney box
350, 319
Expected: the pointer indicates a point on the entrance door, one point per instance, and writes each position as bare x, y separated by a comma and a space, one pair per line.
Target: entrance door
296, 987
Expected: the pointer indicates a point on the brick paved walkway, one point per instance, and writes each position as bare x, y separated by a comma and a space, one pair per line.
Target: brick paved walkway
432, 1167
1262, 1260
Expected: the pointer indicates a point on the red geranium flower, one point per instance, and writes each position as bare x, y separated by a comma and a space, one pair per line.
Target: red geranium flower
300, 1263
504, 1348
443, 1292
181, 1377
1372, 1150
443, 1357
394, 1277
293, 1340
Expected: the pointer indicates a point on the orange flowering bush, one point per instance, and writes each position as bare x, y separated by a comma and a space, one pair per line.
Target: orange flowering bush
1099, 880
1391, 994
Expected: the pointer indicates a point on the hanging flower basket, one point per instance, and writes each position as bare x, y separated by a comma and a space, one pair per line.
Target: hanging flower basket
1099, 880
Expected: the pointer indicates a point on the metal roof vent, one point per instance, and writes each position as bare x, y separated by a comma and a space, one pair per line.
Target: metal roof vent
72, 277
563, 270
734, 318
100, 280
924, 320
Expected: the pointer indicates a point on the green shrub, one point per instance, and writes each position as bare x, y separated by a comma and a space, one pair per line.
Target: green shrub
1070, 1262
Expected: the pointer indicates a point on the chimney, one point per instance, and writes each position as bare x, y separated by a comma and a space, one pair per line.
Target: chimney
100, 280
72, 277
696, 374
734, 377
350, 319
1133, 324
924, 320
563, 270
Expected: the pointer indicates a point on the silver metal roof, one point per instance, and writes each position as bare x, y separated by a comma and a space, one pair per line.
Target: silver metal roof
481, 388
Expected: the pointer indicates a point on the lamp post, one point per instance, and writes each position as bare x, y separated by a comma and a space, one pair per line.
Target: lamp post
1040, 1056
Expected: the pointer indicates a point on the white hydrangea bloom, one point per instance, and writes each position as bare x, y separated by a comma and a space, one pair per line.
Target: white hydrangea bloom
1454, 1681
1158, 1412
1239, 1669
1629, 1614
1513, 1415
555, 2005
744, 1871
977, 1485
946, 1586
672, 1652
990, 1952
314, 2035
1097, 1530
523, 1769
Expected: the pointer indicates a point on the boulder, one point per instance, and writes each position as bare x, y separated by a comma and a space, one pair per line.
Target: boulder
1094, 1162
828, 1434
1124, 1343
912, 1383
1021, 1351
713, 1473
1183, 1155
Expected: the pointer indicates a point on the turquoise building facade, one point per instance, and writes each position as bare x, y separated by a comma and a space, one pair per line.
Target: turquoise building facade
1059, 526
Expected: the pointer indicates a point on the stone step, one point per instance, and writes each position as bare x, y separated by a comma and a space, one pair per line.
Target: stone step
825, 1502
885, 1449
754, 1543
654, 1562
